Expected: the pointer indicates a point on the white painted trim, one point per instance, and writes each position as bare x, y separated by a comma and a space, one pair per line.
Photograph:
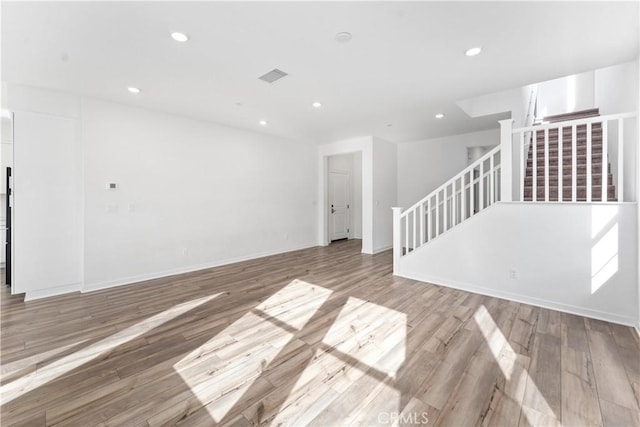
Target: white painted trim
189, 269
386, 248
51, 292
580, 311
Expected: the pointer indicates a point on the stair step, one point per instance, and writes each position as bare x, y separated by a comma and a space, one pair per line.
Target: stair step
581, 180
575, 115
581, 193
567, 131
568, 140
567, 151
553, 170
596, 159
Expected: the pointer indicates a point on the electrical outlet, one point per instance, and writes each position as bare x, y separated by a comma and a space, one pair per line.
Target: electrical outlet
185, 252
513, 273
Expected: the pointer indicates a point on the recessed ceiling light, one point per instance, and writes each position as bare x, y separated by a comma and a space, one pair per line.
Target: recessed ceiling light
317, 104
179, 37
263, 122
133, 89
473, 51
343, 37
439, 116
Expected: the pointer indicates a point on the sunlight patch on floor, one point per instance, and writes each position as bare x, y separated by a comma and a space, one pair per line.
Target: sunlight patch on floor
507, 359
11, 367
68, 363
221, 371
366, 331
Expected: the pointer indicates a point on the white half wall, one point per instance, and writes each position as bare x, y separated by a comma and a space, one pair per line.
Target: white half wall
425, 165
578, 258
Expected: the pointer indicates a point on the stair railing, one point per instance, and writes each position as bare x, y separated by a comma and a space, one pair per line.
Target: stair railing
474, 189
612, 133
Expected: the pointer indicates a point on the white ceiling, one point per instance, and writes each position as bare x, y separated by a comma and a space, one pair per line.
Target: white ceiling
405, 63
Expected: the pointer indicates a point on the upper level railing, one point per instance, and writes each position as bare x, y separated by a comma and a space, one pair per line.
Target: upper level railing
565, 164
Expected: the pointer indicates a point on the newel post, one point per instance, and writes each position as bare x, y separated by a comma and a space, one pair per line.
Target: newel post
506, 160
397, 240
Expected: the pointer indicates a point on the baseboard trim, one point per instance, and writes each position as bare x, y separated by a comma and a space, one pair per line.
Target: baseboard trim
552, 305
386, 248
166, 273
52, 292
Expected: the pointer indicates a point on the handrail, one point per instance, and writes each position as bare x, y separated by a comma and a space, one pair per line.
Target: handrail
455, 177
578, 122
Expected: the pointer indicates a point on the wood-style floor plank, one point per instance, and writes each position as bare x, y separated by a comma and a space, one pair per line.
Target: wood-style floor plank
324, 336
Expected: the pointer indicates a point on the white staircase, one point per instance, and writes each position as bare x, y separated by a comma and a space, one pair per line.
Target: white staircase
524, 222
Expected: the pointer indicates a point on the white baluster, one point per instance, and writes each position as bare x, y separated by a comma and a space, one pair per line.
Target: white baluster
471, 192
620, 177
523, 166
437, 224
429, 219
574, 161
560, 165
534, 164
445, 217
463, 198
415, 229
406, 233
492, 180
605, 163
481, 187
588, 162
546, 165
453, 205
397, 239
421, 224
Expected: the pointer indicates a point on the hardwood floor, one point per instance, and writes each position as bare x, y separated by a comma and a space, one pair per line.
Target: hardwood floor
323, 337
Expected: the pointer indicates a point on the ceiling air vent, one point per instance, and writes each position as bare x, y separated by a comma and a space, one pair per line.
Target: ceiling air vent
273, 76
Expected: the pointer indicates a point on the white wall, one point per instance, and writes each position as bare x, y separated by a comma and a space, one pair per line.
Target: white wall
425, 165
557, 251
47, 176
352, 165
191, 194
514, 101
566, 94
385, 174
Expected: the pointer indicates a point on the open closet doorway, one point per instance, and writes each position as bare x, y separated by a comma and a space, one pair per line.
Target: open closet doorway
344, 201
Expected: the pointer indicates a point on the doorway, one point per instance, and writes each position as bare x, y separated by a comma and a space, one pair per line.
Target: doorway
343, 203
339, 204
